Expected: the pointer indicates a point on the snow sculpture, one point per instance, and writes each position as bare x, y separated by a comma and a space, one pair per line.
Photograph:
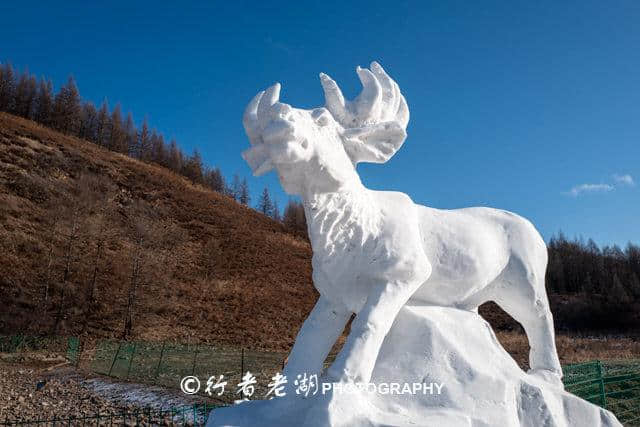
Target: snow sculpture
375, 253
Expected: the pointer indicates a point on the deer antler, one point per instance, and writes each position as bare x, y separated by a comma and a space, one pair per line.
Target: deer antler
255, 118
375, 122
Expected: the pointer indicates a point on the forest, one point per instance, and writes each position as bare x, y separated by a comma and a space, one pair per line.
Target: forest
24, 95
599, 285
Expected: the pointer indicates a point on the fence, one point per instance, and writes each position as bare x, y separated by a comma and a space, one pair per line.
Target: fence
167, 363
14, 343
614, 385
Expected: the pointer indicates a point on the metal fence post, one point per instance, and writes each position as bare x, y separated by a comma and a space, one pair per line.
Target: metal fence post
133, 353
160, 361
195, 356
603, 395
113, 362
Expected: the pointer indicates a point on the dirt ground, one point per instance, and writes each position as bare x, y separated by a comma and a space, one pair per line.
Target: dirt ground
67, 392
43, 387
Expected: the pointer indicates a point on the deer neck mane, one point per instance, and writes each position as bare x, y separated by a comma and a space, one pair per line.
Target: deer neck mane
341, 220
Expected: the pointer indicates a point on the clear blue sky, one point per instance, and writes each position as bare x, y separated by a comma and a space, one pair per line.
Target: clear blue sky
513, 104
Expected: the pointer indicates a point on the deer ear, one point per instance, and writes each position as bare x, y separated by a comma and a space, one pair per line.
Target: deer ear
375, 143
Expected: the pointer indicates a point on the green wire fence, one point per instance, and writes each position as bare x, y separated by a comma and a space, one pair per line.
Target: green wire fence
614, 385
167, 363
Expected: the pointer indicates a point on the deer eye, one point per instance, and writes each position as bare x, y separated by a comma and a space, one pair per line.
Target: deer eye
321, 116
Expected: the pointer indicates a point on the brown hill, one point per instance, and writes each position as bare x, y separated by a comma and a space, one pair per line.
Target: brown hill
182, 260
90, 238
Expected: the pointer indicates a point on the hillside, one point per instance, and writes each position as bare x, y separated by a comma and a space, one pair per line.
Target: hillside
187, 260
92, 240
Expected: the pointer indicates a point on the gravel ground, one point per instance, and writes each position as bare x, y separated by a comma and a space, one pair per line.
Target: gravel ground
65, 392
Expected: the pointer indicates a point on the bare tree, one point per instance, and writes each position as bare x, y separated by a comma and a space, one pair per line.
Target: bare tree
44, 103
66, 108
7, 87
210, 257
118, 137
243, 196
103, 125
144, 142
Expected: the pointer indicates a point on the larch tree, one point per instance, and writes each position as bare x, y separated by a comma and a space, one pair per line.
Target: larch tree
243, 196
66, 108
25, 96
175, 158
276, 211
130, 135
265, 205
7, 86
118, 137
234, 189
104, 125
215, 180
159, 149
44, 103
89, 123
144, 142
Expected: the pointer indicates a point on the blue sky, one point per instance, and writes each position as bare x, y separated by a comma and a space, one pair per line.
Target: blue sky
513, 104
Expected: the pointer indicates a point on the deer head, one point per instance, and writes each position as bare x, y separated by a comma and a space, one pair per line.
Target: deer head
318, 149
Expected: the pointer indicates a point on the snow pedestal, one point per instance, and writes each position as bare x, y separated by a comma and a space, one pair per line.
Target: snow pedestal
481, 385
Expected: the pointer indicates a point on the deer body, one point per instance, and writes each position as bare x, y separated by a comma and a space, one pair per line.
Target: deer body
376, 251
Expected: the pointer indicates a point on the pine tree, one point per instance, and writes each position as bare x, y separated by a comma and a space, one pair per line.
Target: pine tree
193, 167
89, 123
33, 98
66, 108
294, 218
276, 211
634, 286
7, 87
617, 293
244, 196
130, 133
159, 149
103, 136
175, 157
144, 142
264, 204
117, 135
25, 95
234, 190
215, 180
44, 103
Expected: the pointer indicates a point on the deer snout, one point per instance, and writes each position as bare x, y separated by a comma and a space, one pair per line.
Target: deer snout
278, 131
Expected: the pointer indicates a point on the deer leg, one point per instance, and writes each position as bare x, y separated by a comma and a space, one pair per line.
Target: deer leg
319, 332
356, 360
520, 291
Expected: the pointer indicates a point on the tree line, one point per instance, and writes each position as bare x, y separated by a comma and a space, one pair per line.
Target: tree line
576, 266
24, 95
595, 287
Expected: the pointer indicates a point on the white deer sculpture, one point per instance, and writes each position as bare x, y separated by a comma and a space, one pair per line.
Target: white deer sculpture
376, 251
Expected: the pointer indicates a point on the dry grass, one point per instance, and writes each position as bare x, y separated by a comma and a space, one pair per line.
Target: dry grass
257, 295
573, 349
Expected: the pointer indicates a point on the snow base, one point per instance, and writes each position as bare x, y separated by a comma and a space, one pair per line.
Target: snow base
482, 385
